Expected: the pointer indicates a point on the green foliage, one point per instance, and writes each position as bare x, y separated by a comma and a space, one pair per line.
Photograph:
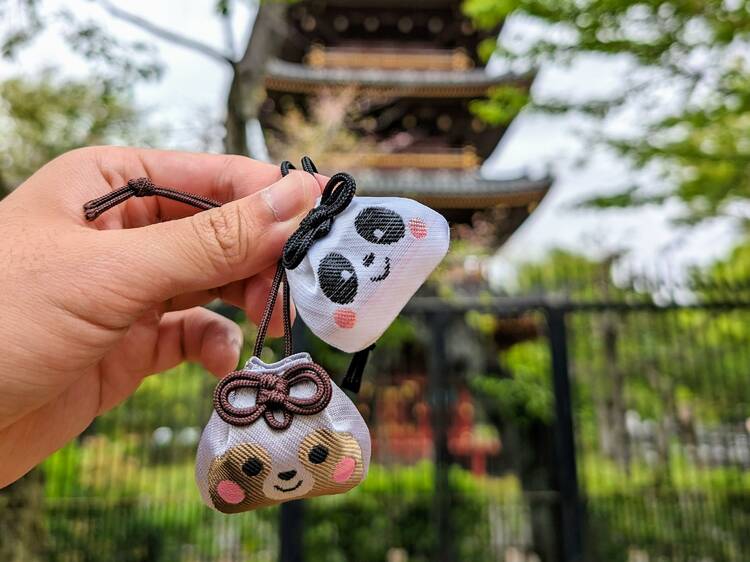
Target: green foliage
115, 64
176, 399
504, 103
527, 394
693, 48
28, 22
44, 117
392, 508
669, 526
564, 273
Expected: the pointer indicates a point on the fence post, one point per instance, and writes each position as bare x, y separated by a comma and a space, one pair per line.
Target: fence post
292, 514
292, 531
438, 396
571, 510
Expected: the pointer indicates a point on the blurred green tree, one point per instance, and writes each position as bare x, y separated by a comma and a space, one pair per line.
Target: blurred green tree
122, 64
45, 116
692, 54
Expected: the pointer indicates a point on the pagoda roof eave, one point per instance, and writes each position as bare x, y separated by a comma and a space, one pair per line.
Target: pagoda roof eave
299, 78
452, 189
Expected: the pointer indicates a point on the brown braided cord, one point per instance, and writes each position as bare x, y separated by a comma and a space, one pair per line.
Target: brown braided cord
273, 394
143, 187
278, 279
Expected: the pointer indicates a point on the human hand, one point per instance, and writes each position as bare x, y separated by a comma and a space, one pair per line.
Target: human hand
90, 309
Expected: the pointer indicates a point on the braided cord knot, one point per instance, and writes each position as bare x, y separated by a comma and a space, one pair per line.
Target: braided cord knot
338, 193
273, 395
142, 187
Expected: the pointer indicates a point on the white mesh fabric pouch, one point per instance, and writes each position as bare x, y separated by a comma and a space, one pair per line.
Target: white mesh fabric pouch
353, 282
259, 448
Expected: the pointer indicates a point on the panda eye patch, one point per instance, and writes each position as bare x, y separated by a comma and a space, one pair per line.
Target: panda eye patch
252, 466
379, 225
337, 278
318, 454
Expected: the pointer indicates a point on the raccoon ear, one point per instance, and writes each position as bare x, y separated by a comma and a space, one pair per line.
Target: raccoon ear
337, 278
380, 225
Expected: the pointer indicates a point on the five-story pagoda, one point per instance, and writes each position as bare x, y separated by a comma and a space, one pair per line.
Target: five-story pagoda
414, 70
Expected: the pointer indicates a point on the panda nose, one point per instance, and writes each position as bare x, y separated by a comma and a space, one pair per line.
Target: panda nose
288, 475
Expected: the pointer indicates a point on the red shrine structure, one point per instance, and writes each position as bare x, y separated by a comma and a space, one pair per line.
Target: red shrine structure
414, 70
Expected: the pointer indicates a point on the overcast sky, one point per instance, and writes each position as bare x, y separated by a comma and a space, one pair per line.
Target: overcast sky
192, 92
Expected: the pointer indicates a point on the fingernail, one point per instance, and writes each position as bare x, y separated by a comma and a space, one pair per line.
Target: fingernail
287, 197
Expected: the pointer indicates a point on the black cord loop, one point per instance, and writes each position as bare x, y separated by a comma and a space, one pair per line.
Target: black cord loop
337, 195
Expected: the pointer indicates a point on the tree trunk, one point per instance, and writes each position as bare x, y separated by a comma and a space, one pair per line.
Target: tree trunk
611, 408
246, 91
235, 124
22, 530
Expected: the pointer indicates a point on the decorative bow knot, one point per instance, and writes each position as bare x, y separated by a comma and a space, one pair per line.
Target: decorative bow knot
273, 395
338, 193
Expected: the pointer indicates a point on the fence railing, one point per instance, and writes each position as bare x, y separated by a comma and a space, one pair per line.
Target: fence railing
599, 423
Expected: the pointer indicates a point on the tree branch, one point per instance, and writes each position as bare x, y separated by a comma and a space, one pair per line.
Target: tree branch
268, 33
226, 20
165, 34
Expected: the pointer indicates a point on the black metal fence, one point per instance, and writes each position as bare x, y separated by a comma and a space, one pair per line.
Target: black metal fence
576, 425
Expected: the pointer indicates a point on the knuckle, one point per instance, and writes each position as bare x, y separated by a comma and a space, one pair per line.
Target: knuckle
84, 153
225, 234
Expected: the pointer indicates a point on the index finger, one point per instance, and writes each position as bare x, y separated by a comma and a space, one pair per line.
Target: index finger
99, 170
216, 176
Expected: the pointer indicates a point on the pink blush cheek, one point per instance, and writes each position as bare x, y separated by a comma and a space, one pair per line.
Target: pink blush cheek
230, 492
344, 470
345, 318
418, 228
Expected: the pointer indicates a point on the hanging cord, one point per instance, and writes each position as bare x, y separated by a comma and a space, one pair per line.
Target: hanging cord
143, 187
278, 279
352, 381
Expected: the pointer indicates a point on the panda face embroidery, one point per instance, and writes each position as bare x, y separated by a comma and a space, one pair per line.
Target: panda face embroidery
381, 228
247, 476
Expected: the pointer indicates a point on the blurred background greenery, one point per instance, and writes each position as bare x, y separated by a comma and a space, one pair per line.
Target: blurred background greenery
413, 99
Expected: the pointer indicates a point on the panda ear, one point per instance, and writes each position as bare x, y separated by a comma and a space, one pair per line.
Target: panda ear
380, 225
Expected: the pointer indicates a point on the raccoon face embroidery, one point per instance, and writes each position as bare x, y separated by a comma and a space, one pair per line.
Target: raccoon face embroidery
280, 431
247, 476
378, 253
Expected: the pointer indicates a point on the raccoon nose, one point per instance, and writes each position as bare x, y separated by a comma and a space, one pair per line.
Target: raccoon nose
288, 475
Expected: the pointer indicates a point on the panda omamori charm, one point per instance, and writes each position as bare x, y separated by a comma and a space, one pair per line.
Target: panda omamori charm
354, 281
280, 431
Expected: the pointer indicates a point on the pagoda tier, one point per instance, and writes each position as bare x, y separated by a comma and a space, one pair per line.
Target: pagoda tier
428, 108
412, 72
457, 195
301, 78
371, 23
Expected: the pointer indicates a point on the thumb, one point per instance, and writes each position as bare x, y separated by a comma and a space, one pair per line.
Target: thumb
214, 247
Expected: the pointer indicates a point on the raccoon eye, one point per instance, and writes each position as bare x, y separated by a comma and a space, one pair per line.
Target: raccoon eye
318, 454
252, 466
379, 225
337, 278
